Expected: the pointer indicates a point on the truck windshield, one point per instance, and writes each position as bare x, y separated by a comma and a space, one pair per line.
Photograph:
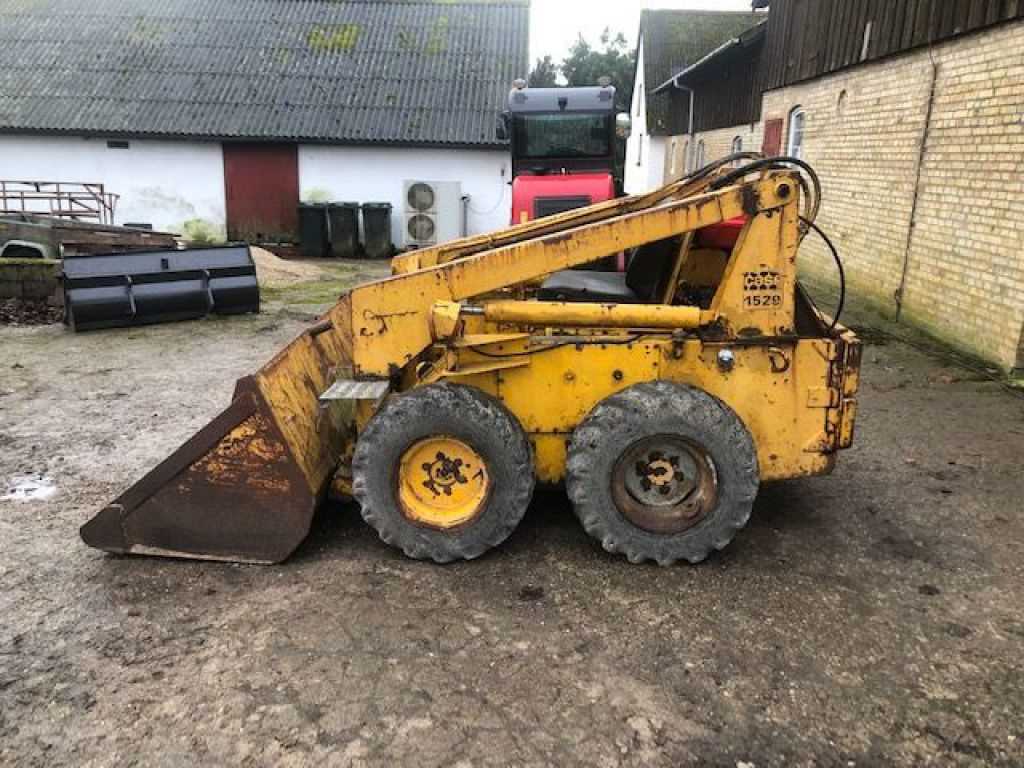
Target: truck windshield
562, 135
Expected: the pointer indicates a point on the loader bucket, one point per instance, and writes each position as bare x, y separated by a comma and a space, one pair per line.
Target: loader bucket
245, 487
140, 287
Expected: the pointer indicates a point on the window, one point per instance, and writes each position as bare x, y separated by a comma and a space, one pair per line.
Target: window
795, 142
672, 158
117, 144
686, 157
699, 161
542, 136
737, 145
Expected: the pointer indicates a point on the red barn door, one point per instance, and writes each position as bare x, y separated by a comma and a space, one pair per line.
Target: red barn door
772, 144
261, 189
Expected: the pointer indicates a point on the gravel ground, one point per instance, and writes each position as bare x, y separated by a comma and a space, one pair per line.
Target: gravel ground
869, 618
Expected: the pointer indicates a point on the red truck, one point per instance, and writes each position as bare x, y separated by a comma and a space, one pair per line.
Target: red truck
563, 148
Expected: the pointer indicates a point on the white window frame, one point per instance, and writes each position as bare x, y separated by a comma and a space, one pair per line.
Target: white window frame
737, 144
796, 129
700, 156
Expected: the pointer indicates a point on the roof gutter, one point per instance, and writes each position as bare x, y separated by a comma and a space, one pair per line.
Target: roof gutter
674, 81
743, 40
689, 127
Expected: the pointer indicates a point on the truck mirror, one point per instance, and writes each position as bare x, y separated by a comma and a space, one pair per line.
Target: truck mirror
501, 128
622, 124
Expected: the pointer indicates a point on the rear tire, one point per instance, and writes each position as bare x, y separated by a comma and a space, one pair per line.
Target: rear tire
663, 472
443, 472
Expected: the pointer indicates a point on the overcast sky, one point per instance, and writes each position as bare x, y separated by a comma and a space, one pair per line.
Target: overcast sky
554, 24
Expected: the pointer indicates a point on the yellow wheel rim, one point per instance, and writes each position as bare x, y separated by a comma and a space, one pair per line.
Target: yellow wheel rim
442, 482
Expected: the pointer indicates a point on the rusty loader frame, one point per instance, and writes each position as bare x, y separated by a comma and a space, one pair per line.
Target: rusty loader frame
466, 315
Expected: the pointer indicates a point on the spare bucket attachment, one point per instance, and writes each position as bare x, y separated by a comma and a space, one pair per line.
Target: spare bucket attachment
158, 286
245, 487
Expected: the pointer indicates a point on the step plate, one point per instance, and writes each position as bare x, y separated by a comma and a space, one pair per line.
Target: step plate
346, 389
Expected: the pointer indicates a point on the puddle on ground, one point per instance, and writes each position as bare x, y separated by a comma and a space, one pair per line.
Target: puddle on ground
29, 488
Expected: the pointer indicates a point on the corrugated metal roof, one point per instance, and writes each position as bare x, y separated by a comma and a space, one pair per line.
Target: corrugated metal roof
673, 40
392, 71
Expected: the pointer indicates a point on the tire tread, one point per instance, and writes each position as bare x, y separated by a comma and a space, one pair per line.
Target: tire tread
599, 436
399, 422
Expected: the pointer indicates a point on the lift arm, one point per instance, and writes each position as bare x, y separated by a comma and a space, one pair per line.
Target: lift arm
389, 319
560, 222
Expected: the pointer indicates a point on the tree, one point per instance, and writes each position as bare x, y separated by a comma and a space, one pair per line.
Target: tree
586, 63
613, 58
544, 73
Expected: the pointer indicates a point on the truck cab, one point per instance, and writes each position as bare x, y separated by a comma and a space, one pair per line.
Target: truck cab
563, 148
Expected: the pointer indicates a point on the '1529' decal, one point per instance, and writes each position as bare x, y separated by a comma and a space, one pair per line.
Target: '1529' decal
761, 290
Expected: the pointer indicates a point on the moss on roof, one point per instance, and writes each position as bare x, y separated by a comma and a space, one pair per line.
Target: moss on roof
416, 72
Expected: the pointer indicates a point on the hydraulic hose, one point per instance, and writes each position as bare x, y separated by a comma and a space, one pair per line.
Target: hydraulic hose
839, 267
814, 203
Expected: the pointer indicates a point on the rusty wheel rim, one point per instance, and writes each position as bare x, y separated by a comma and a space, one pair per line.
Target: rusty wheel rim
664, 484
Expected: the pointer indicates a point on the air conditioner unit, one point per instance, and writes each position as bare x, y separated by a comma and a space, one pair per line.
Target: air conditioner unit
433, 212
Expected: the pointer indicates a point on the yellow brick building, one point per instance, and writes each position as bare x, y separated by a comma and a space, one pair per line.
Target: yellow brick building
920, 147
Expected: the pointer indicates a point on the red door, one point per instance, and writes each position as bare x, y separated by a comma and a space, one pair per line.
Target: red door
261, 187
772, 144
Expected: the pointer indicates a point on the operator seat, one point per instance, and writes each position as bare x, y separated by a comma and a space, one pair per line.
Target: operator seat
643, 282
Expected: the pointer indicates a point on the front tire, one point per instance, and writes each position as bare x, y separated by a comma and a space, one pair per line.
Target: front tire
662, 471
443, 472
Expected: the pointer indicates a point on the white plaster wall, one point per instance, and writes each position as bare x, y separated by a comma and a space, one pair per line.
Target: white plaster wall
645, 154
654, 165
376, 174
638, 152
164, 183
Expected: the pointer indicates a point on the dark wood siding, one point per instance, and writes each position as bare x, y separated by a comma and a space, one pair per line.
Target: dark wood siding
804, 39
808, 38
726, 92
729, 94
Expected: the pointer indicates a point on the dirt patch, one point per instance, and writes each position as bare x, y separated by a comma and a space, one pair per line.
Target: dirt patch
335, 277
28, 312
275, 272
872, 617
311, 285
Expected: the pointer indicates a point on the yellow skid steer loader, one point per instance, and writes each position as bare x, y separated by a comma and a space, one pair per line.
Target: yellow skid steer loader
661, 397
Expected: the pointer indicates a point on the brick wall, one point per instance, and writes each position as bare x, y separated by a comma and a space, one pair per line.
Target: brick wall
717, 144
964, 252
